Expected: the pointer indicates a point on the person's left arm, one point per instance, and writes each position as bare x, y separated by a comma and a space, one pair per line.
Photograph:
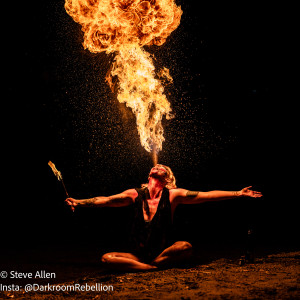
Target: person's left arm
183, 196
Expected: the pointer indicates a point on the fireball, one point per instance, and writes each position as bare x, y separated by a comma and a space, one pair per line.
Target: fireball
124, 27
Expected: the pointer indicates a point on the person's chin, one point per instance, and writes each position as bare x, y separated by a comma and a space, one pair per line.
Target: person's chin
156, 175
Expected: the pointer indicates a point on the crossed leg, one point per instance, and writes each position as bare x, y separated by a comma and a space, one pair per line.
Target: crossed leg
178, 252
122, 261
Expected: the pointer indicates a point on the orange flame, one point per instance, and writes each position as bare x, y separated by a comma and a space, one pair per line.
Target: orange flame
125, 26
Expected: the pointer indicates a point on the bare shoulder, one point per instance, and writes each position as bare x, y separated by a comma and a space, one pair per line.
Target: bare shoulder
125, 198
131, 193
177, 194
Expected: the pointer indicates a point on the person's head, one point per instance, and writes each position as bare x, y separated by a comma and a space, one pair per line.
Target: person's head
164, 174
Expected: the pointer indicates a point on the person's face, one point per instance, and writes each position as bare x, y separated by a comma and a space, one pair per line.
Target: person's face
158, 171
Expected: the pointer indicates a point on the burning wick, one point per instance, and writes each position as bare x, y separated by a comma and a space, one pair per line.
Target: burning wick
59, 177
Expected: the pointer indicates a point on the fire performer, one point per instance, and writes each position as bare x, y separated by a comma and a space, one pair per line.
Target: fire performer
151, 244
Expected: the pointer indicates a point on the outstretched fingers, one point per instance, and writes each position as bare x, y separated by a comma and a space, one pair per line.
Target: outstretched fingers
248, 192
257, 194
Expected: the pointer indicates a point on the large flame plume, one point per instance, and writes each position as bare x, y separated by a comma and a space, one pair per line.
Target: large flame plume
124, 26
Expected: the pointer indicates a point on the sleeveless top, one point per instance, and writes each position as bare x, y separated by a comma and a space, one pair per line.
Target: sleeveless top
149, 238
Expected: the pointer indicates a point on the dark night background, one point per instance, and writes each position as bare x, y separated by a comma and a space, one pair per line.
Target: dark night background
224, 134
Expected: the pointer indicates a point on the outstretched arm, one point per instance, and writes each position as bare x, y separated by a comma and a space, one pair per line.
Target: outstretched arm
189, 197
123, 199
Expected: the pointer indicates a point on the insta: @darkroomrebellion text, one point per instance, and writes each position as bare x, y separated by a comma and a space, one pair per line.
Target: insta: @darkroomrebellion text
76, 287
37, 287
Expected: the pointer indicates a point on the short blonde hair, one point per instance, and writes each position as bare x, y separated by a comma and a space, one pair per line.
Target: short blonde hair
170, 179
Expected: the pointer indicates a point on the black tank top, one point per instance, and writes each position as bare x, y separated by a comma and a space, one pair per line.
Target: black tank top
149, 238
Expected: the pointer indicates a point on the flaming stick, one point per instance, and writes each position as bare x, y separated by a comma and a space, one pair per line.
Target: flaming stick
58, 175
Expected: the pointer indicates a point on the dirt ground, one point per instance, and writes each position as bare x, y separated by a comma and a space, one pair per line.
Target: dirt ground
272, 276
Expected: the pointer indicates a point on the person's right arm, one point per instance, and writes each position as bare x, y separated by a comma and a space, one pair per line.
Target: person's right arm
123, 199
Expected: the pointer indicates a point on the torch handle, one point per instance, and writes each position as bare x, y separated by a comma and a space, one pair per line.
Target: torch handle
72, 207
65, 188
